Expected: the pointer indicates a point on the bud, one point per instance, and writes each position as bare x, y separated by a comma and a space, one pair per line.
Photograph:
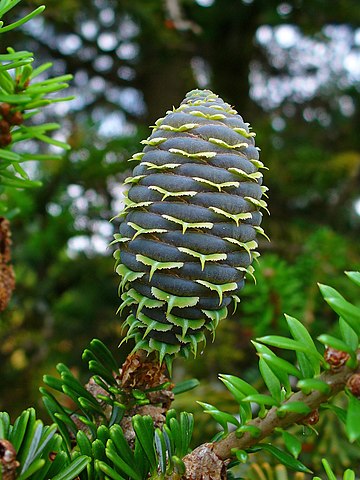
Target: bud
8, 462
4, 126
353, 384
7, 277
5, 109
5, 139
16, 118
312, 418
335, 358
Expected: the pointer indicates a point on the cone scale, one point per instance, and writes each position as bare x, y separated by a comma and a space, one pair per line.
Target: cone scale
187, 235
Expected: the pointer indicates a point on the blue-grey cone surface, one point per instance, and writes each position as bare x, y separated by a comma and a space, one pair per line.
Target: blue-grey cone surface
187, 233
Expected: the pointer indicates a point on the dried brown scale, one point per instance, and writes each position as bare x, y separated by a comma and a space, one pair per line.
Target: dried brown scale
5, 109
9, 118
142, 372
4, 126
204, 464
312, 418
8, 461
5, 139
335, 358
139, 371
7, 276
353, 384
16, 118
52, 456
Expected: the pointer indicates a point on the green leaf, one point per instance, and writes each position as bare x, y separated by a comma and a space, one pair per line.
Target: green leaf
178, 465
261, 399
354, 276
330, 474
53, 382
342, 307
187, 427
271, 380
8, 155
72, 471
110, 472
280, 368
52, 141
286, 344
241, 455
306, 365
240, 389
61, 460
349, 474
103, 433
282, 456
292, 444
34, 467
252, 429
91, 407
83, 443
339, 412
185, 386
144, 430
53, 407
31, 442
223, 418
23, 20
5, 424
121, 445
348, 334
16, 182
175, 429
15, 99
160, 446
295, 407
300, 333
119, 462
117, 414
280, 364
170, 444
352, 418
141, 460
18, 431
309, 384
98, 450
104, 355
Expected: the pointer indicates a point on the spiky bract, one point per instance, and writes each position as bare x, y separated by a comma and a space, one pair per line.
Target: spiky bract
187, 234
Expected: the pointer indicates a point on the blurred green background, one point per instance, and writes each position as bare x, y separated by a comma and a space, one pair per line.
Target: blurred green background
291, 69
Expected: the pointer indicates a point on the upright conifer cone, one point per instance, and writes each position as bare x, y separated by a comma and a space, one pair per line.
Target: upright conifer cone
187, 234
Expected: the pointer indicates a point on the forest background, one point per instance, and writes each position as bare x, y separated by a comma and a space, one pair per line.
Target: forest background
291, 69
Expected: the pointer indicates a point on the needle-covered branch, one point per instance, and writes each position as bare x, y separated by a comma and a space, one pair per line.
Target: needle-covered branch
209, 460
274, 419
320, 377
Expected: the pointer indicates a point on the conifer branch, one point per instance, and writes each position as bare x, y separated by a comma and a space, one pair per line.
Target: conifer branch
197, 462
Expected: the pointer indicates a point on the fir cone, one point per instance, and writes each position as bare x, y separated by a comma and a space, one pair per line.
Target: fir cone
187, 234
7, 277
